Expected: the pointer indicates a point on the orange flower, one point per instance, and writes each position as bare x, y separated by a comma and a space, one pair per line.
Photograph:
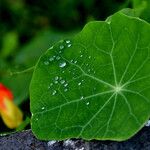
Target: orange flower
10, 113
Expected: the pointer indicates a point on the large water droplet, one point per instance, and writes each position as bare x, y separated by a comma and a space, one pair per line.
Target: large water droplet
62, 64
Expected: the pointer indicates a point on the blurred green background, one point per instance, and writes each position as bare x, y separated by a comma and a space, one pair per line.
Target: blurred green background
30, 27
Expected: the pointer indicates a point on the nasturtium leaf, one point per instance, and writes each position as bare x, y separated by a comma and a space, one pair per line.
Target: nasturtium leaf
95, 85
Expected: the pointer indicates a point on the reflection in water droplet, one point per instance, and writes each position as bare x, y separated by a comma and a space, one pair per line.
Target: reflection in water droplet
67, 41
87, 103
54, 92
66, 85
79, 83
46, 62
69, 45
61, 46
55, 82
62, 64
62, 81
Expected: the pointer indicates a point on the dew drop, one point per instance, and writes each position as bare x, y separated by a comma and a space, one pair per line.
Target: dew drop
51, 59
54, 92
66, 85
51, 84
69, 45
56, 78
46, 62
79, 83
75, 61
36, 119
62, 81
89, 57
67, 41
65, 90
43, 108
55, 82
87, 103
62, 64
81, 55
61, 46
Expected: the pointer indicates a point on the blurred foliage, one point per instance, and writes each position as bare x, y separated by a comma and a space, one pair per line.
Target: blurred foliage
29, 27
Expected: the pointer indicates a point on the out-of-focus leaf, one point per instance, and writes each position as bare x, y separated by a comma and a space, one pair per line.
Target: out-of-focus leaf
10, 44
31, 52
142, 8
19, 84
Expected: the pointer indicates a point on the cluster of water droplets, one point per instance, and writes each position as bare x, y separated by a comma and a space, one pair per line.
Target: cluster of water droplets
62, 46
57, 80
60, 81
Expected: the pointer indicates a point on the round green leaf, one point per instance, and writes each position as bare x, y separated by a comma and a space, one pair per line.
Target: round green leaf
95, 85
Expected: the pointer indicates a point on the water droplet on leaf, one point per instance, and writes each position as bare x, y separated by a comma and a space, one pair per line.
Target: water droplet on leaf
62, 64
46, 62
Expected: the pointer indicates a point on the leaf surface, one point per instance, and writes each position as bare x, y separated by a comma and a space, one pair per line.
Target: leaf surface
95, 85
